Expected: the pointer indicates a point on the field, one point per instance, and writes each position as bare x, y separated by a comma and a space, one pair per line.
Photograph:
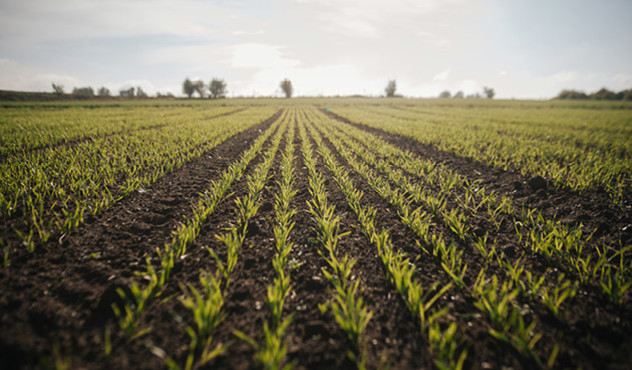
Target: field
316, 233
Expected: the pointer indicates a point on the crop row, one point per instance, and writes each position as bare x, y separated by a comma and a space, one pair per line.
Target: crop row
271, 349
608, 267
420, 300
50, 191
546, 147
346, 305
498, 301
206, 306
25, 129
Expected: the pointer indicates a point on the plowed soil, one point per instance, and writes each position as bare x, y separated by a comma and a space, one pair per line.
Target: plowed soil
56, 303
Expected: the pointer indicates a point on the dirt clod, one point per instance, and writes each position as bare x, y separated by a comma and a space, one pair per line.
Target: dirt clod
537, 183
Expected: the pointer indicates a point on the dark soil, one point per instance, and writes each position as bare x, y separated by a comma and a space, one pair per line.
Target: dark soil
609, 224
77, 141
63, 292
56, 302
591, 321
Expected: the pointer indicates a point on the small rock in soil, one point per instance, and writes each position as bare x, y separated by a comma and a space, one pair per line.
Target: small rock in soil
479, 232
509, 251
253, 229
537, 183
267, 206
103, 310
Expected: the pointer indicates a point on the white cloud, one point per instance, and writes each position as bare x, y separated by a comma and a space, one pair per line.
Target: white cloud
271, 63
564, 76
371, 18
34, 20
441, 76
469, 86
622, 80
433, 39
349, 27
260, 56
248, 33
17, 76
324, 46
190, 55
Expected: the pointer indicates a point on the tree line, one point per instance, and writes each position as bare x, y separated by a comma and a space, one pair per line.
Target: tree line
488, 93
104, 92
603, 94
218, 88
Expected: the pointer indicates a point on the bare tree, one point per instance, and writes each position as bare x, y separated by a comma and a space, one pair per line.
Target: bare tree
58, 89
217, 88
390, 88
286, 86
489, 92
188, 88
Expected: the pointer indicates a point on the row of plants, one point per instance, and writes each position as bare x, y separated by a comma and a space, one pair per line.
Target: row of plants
540, 144
346, 306
607, 267
51, 191
206, 304
26, 129
610, 266
424, 303
271, 348
512, 329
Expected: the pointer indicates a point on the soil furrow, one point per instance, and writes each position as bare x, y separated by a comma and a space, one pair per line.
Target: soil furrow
429, 271
245, 296
67, 285
80, 140
592, 209
392, 332
580, 318
167, 319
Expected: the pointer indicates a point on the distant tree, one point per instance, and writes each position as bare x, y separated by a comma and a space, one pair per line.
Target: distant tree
627, 95
83, 91
286, 86
603, 94
459, 95
164, 95
188, 88
474, 96
572, 95
390, 88
489, 92
217, 88
103, 91
199, 87
127, 93
140, 93
445, 95
58, 89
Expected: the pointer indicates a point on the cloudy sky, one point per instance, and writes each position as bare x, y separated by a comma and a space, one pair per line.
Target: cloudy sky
523, 49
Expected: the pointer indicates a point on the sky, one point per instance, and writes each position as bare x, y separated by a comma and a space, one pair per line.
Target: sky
522, 49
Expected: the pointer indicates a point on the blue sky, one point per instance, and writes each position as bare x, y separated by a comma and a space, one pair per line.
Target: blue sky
523, 49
